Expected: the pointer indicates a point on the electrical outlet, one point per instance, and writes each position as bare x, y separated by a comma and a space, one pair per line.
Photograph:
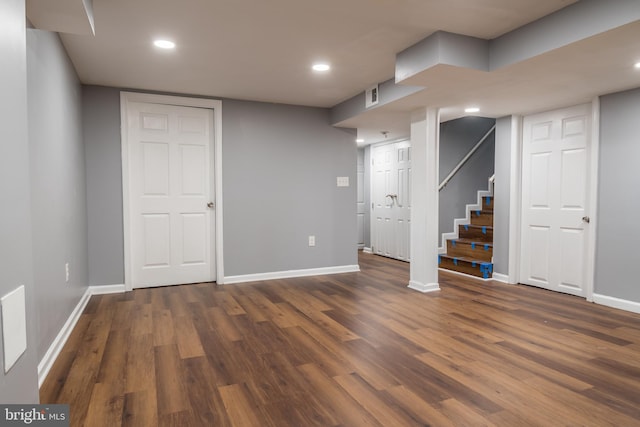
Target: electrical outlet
312, 240
66, 272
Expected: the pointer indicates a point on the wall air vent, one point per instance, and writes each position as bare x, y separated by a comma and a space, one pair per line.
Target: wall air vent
371, 96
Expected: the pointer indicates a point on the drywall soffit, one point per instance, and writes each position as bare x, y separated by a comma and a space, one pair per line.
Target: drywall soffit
62, 16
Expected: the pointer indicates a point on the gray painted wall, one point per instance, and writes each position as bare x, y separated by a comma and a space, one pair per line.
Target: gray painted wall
457, 137
58, 195
501, 194
617, 254
103, 157
20, 384
280, 165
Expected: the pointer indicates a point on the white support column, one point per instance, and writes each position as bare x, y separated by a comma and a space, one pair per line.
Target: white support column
425, 141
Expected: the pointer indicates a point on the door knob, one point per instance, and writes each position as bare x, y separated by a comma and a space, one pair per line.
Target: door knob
586, 219
210, 205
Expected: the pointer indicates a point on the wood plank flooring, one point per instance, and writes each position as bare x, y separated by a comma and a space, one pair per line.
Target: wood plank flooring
355, 349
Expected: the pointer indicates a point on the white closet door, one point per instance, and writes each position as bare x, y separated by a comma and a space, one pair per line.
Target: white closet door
391, 197
170, 194
555, 186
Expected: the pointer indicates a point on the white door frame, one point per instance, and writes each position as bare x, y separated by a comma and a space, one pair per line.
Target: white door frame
216, 106
515, 199
592, 194
515, 214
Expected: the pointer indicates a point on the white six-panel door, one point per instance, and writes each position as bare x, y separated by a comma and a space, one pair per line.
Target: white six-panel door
171, 227
391, 197
555, 161
381, 188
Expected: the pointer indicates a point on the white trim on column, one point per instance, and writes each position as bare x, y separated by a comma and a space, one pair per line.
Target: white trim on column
425, 139
216, 106
421, 287
515, 194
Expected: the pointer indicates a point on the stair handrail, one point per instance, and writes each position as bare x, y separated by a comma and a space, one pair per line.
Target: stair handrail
465, 159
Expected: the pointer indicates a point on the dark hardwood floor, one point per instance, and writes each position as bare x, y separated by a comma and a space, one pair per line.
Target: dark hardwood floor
355, 349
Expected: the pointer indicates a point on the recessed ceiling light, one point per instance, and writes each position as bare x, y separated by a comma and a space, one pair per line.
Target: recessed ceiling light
164, 44
359, 140
637, 65
321, 67
471, 110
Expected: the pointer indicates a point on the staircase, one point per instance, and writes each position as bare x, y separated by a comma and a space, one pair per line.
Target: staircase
472, 250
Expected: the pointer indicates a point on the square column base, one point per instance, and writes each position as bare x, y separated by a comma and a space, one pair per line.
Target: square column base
424, 288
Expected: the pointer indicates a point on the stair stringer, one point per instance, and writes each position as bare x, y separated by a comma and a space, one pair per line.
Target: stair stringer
467, 220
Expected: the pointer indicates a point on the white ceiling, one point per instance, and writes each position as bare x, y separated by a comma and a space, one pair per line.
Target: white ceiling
262, 50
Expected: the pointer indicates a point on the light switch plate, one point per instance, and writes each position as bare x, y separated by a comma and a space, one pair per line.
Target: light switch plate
343, 181
14, 326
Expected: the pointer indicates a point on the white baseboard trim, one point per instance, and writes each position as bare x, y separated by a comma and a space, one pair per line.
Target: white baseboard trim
58, 343
56, 346
107, 289
499, 277
290, 274
367, 250
618, 303
424, 288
